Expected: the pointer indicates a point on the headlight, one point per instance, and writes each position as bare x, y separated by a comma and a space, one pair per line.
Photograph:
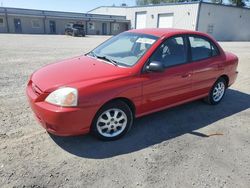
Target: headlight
66, 96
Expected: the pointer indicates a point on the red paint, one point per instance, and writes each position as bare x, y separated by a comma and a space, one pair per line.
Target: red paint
99, 82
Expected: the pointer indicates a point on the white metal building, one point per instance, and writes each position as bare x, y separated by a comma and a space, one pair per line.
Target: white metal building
227, 23
28, 21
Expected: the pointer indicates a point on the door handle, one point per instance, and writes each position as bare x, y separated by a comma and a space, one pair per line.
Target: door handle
186, 75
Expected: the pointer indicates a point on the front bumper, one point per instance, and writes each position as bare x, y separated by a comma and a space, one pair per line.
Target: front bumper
58, 120
79, 33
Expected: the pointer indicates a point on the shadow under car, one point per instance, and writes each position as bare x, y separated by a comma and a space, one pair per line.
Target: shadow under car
158, 127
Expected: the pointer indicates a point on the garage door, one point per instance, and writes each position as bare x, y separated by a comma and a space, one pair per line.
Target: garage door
140, 20
165, 20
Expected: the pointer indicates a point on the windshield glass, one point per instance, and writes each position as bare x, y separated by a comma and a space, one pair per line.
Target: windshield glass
78, 26
124, 49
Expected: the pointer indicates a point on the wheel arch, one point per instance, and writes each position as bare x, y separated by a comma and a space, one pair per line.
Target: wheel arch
226, 78
127, 101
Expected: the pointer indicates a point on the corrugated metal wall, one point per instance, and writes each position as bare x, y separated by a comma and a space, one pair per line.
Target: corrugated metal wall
225, 23
184, 14
26, 18
119, 11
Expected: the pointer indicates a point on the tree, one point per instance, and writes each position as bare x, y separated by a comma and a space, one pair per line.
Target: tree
147, 2
217, 1
238, 3
141, 2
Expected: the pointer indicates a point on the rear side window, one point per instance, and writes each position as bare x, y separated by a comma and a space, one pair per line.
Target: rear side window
202, 48
171, 52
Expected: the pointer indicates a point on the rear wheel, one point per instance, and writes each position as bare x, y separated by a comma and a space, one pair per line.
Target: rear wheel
217, 92
112, 121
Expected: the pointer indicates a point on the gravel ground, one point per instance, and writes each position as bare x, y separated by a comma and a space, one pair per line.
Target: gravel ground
171, 148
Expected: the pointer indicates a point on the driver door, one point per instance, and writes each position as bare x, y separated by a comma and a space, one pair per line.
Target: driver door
174, 84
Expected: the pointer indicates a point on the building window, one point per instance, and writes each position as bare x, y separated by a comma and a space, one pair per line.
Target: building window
116, 27
91, 26
35, 23
1, 22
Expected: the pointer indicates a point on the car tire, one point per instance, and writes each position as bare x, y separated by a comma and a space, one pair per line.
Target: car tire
112, 121
217, 92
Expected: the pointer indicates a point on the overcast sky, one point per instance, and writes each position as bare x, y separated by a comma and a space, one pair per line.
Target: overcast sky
63, 5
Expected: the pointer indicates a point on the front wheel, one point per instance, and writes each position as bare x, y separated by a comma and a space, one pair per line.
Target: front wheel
217, 92
112, 121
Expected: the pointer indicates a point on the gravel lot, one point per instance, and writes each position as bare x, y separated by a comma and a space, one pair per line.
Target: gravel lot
172, 148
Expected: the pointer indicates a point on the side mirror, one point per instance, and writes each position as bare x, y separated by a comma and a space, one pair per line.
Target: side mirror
155, 66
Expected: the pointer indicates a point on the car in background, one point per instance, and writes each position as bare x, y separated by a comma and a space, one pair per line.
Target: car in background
75, 30
133, 74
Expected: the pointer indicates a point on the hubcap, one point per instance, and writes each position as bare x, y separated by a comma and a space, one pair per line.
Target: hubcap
112, 122
218, 91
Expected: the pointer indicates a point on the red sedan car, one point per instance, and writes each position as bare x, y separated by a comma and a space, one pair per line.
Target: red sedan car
135, 73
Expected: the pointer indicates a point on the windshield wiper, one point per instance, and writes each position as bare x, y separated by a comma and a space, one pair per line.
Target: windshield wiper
108, 59
93, 54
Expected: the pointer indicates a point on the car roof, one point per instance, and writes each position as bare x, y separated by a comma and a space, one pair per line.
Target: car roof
160, 32
169, 32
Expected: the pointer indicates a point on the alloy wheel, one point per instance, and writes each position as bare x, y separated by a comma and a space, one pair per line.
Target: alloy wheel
218, 91
111, 122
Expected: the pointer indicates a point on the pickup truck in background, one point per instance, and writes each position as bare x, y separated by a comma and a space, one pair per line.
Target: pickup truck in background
75, 30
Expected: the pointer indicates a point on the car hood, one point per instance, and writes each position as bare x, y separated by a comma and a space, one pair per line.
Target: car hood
71, 72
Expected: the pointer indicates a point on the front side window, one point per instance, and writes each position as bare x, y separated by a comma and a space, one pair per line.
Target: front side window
126, 48
201, 48
171, 52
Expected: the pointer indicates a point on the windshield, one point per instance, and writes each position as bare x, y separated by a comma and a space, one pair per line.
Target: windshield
124, 49
78, 26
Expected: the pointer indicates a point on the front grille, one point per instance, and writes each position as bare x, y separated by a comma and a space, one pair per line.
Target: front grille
36, 90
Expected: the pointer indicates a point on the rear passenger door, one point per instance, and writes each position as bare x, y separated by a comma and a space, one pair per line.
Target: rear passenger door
205, 57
